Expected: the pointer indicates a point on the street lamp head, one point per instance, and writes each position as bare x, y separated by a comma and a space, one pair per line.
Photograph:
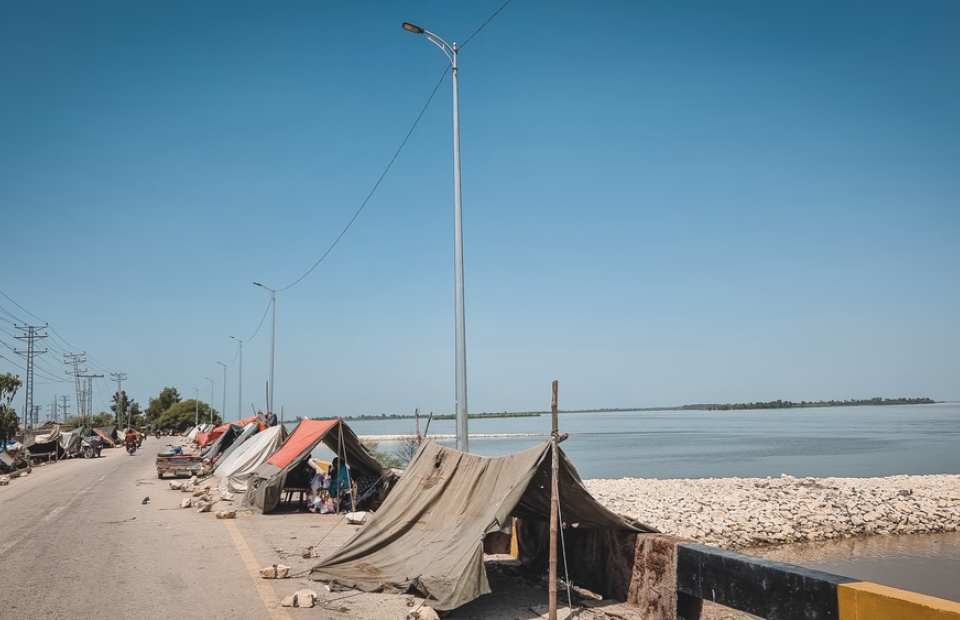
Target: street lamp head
411, 28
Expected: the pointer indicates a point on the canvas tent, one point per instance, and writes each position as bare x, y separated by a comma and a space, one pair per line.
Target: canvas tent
107, 437
45, 444
71, 442
110, 433
267, 481
224, 441
235, 469
205, 438
248, 431
200, 428
429, 533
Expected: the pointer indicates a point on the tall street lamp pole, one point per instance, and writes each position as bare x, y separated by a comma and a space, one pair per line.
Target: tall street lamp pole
463, 436
224, 391
273, 339
240, 382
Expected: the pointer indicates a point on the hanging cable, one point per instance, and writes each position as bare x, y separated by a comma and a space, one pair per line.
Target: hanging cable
489, 19
267, 309
375, 185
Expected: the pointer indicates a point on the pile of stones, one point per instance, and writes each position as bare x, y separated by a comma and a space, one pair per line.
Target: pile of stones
743, 512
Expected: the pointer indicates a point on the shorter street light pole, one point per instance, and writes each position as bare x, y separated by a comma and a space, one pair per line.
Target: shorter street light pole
224, 412
211, 398
273, 340
196, 404
240, 382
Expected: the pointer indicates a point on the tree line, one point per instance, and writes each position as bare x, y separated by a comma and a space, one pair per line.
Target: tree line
786, 404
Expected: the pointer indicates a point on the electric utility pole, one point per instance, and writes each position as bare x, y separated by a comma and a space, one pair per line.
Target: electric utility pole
119, 377
88, 394
75, 359
31, 334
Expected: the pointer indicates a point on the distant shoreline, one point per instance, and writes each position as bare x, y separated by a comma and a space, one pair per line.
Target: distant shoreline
775, 404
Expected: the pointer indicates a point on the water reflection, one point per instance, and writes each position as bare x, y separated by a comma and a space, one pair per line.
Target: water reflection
925, 563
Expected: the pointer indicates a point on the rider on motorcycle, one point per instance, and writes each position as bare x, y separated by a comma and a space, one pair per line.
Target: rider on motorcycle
130, 440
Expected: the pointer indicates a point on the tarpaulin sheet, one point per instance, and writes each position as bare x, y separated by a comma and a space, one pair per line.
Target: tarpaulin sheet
306, 434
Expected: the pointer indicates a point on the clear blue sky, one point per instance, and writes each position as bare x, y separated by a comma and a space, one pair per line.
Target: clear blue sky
664, 203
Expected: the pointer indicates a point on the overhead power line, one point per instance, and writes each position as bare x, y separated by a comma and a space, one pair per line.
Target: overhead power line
375, 185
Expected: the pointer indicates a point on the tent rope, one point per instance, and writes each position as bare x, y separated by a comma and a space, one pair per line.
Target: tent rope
563, 547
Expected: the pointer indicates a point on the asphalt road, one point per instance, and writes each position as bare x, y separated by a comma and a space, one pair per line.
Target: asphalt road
77, 542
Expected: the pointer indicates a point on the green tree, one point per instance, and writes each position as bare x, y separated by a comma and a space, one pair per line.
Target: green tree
182, 415
9, 422
126, 408
168, 397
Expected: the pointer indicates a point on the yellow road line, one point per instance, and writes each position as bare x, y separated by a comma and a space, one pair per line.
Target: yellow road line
267, 595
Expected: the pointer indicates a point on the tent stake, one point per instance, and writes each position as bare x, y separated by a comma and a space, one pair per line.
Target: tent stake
554, 496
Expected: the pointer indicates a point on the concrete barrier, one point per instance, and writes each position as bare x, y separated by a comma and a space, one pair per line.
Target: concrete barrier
787, 592
667, 577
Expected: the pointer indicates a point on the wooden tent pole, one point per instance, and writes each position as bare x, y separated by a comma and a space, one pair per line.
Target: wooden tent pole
554, 499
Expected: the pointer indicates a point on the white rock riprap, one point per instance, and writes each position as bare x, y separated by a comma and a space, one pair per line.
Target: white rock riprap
743, 512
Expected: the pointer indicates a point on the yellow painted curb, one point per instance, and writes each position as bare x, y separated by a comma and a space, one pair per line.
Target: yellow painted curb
871, 601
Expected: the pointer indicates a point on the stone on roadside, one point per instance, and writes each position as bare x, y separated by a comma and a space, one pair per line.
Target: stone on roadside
226, 514
186, 502
205, 507
4, 481
277, 571
424, 613
176, 485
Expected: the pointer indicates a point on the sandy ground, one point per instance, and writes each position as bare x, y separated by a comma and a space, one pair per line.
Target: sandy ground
77, 541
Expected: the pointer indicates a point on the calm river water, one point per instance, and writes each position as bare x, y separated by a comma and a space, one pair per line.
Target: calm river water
823, 442
829, 441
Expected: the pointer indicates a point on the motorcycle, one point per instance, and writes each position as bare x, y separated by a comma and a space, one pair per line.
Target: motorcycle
131, 448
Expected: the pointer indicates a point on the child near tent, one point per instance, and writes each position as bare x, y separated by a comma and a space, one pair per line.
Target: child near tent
340, 484
318, 499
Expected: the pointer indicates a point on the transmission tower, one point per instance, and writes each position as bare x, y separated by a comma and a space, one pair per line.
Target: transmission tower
75, 359
53, 409
120, 377
63, 406
31, 334
88, 394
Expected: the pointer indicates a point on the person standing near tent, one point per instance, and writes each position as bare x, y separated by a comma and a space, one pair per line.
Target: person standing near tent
340, 485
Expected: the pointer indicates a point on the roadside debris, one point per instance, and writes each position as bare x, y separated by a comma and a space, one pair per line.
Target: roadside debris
277, 571
226, 514
301, 598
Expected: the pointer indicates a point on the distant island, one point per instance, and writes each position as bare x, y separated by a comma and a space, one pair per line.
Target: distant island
773, 404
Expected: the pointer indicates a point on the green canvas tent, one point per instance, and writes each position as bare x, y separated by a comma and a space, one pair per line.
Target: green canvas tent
428, 535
